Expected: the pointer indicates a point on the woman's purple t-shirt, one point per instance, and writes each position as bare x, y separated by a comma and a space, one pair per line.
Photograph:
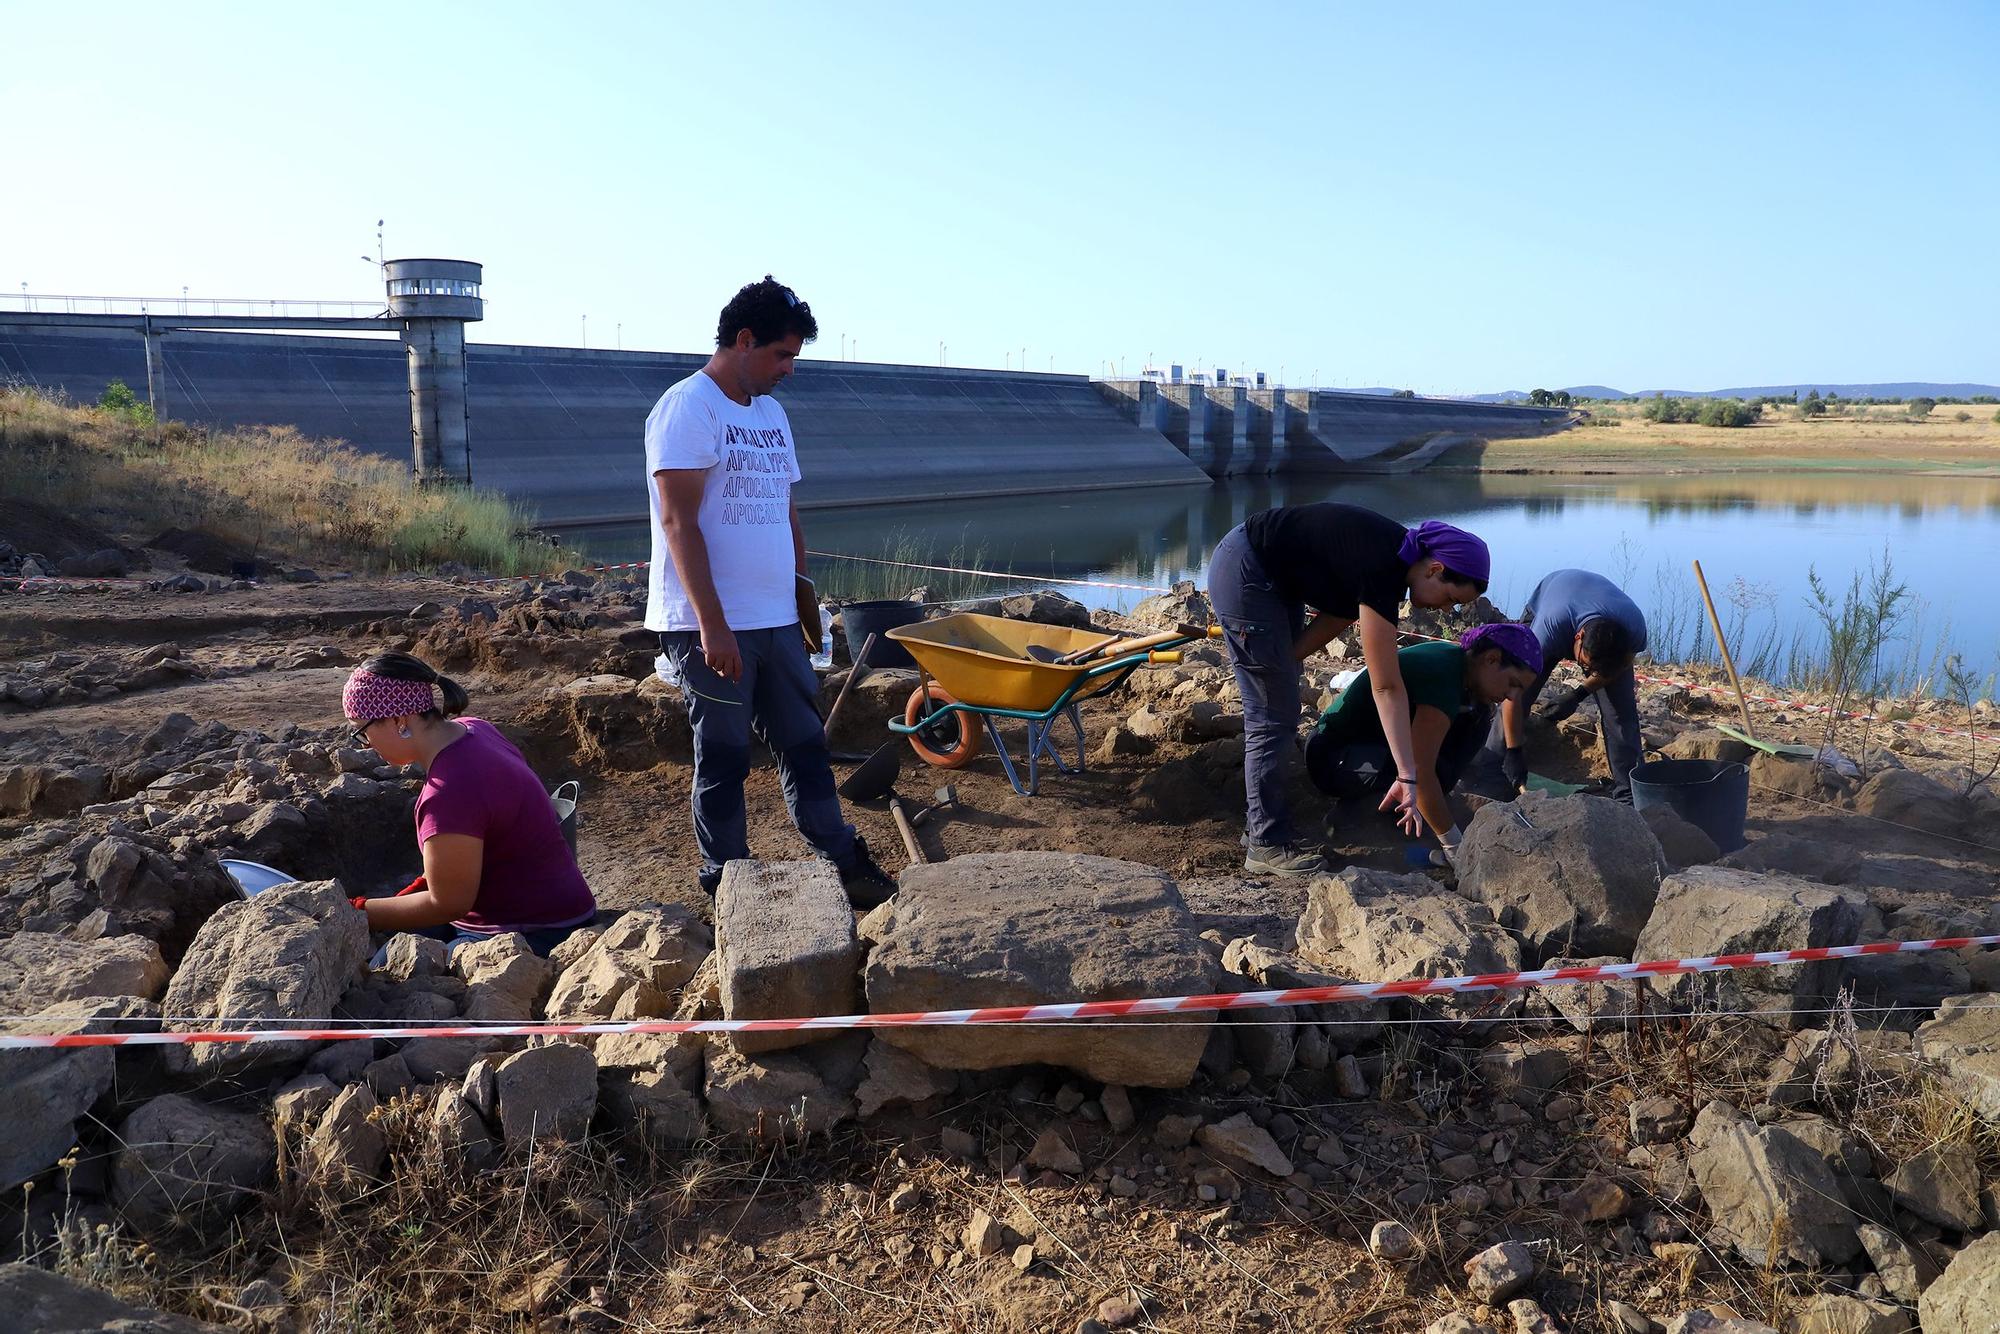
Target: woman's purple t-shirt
481, 786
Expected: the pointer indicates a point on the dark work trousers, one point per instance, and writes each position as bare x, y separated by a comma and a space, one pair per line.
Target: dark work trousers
778, 700
1260, 627
1618, 715
1364, 768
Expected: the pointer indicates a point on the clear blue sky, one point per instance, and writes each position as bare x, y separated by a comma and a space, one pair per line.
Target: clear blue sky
1455, 197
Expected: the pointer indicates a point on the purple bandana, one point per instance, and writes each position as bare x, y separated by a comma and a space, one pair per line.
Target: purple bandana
368, 698
1461, 552
1515, 640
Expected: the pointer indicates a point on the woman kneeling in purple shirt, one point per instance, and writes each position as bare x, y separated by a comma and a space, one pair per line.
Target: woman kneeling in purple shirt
494, 856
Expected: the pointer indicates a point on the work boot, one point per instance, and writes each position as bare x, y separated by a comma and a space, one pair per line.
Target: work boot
1284, 859
867, 885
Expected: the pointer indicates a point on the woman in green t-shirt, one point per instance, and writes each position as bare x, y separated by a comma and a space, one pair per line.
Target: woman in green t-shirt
1452, 690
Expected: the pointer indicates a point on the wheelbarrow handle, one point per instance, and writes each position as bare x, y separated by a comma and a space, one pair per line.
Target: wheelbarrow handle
1164, 657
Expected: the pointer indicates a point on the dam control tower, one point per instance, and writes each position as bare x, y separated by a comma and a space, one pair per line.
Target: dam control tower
433, 300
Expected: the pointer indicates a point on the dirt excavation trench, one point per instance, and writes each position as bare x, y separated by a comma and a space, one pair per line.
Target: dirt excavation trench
1814, 1148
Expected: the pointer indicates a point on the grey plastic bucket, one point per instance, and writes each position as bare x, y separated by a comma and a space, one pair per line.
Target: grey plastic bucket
858, 620
564, 798
1711, 795
253, 878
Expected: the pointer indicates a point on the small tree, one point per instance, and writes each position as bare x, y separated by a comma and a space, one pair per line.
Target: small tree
1966, 687
1920, 408
1539, 397
1813, 406
119, 399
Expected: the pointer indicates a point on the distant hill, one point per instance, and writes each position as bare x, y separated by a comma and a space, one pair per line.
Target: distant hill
1902, 389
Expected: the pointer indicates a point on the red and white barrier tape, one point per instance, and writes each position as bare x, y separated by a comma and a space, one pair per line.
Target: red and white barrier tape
1343, 993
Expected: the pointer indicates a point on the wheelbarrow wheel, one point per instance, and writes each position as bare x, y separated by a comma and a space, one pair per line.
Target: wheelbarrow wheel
953, 740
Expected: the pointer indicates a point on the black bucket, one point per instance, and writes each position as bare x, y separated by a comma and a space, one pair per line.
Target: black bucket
858, 620
1711, 795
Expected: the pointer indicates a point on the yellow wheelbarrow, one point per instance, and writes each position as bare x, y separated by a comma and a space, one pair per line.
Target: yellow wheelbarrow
979, 669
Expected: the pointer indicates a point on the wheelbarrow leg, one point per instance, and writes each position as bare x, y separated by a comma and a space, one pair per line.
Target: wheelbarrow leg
1076, 722
1042, 741
1007, 761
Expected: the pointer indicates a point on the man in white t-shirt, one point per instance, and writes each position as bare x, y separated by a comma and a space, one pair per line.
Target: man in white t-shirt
728, 553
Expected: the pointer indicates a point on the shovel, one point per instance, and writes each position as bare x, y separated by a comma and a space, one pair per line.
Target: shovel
854, 670
875, 780
1115, 645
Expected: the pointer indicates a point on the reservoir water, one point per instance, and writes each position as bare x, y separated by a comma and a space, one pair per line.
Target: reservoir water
1758, 536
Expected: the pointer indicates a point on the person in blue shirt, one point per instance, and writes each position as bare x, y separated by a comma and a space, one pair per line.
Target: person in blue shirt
1583, 618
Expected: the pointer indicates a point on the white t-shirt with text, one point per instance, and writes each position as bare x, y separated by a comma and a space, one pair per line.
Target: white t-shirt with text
745, 516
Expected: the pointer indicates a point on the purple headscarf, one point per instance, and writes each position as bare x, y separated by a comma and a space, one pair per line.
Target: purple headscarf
1512, 638
1461, 552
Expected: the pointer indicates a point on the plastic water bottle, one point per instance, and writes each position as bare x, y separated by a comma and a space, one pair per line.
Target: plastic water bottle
823, 660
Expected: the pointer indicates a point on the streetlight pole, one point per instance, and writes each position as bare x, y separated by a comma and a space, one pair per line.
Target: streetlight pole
586, 331
620, 335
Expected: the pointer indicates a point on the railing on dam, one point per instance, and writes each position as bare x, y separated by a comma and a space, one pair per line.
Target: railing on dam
65, 303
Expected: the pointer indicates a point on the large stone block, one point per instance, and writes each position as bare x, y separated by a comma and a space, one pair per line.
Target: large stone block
287, 954
546, 1091
785, 947
1708, 910
1966, 1297
1372, 926
1772, 1196
1572, 876
1027, 928
38, 969
635, 966
49, 1088
777, 1095
185, 1166
37, 1299
1965, 1040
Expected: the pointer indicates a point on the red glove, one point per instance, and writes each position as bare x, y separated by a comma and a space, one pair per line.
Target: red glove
416, 886
359, 902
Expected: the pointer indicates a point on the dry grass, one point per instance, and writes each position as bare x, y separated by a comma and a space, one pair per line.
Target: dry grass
266, 489
800, 1233
1880, 436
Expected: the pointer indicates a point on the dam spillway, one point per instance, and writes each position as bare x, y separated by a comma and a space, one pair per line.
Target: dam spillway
560, 428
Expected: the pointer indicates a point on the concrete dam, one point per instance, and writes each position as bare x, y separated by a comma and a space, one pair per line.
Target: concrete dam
559, 428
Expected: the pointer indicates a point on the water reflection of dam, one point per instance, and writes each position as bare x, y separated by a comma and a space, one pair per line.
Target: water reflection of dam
1758, 536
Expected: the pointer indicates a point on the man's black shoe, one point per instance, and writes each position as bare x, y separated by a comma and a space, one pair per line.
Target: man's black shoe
868, 885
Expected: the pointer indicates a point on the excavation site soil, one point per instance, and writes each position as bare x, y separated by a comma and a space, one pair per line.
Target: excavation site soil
1735, 1151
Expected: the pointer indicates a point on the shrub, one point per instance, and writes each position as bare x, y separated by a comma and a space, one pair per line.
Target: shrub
119, 400
1921, 407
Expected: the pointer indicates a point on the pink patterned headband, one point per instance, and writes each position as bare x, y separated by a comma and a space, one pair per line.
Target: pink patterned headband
368, 697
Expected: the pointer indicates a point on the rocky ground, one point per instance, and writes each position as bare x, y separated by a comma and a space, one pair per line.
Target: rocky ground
1814, 1149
